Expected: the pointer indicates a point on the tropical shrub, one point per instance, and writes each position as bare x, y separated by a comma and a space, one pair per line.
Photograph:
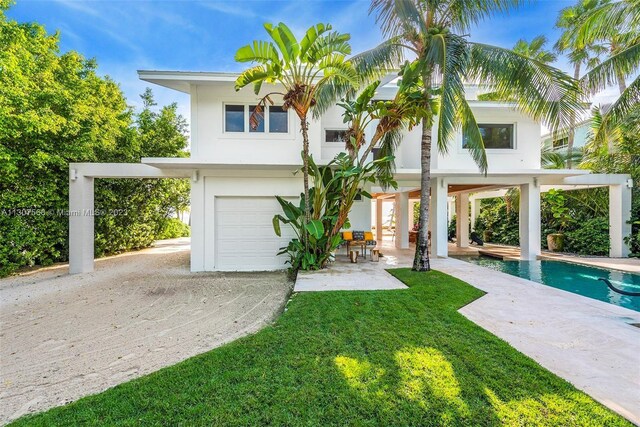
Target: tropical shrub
172, 228
335, 187
590, 238
56, 109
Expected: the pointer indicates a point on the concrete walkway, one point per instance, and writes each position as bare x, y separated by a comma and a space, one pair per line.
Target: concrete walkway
63, 337
342, 275
589, 343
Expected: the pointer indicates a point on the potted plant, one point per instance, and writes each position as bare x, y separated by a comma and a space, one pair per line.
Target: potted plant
560, 220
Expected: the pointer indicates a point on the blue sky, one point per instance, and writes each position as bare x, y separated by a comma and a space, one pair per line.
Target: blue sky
125, 36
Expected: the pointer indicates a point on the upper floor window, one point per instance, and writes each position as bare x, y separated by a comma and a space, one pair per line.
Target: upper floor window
240, 118
234, 118
278, 120
494, 136
335, 135
561, 142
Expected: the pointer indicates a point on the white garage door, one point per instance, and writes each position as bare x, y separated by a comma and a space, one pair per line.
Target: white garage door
244, 236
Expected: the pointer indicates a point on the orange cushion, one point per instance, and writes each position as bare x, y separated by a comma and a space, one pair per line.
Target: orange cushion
347, 235
368, 235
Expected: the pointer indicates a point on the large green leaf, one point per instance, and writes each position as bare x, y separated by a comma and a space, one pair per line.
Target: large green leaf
315, 228
259, 51
276, 225
289, 209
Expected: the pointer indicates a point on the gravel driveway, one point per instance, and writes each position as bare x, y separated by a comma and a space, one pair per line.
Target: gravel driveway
63, 337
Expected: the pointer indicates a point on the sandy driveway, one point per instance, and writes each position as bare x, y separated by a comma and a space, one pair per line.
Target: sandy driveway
63, 337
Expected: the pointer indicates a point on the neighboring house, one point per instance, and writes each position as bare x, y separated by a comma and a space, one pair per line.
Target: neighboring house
560, 139
236, 172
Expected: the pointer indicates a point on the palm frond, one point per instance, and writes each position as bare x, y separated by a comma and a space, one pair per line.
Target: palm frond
255, 74
610, 18
397, 17
538, 90
381, 60
259, 51
310, 37
388, 146
329, 93
454, 61
472, 136
281, 35
625, 63
328, 44
461, 15
619, 110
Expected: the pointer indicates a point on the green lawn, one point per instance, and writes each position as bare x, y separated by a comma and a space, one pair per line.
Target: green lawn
402, 357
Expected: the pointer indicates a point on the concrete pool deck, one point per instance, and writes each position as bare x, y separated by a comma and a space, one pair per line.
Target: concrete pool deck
589, 343
630, 265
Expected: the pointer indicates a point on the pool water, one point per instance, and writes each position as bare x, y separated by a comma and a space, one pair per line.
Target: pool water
576, 278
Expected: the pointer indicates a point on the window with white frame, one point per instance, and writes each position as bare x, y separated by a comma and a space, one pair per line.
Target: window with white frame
239, 118
560, 143
495, 136
335, 135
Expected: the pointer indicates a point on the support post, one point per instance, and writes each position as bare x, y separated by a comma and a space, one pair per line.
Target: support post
530, 220
402, 220
379, 203
438, 216
619, 217
81, 223
198, 224
462, 220
475, 212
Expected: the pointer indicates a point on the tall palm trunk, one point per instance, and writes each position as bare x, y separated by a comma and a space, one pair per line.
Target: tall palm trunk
572, 122
622, 85
305, 174
421, 258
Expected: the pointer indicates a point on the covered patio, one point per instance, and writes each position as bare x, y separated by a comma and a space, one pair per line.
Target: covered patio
460, 194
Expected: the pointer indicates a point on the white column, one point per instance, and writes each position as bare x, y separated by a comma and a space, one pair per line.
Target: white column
412, 218
530, 220
619, 217
198, 223
438, 216
451, 209
475, 212
81, 223
379, 219
402, 220
462, 220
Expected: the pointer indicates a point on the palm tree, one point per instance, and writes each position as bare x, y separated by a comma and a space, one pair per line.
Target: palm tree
535, 49
618, 23
429, 30
579, 53
303, 68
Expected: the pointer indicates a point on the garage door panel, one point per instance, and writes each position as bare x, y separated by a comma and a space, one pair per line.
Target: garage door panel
244, 236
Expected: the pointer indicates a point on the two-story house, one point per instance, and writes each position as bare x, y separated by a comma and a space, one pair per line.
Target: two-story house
236, 171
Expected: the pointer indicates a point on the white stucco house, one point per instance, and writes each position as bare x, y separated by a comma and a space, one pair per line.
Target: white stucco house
235, 173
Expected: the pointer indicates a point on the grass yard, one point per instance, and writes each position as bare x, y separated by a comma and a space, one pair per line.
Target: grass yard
401, 357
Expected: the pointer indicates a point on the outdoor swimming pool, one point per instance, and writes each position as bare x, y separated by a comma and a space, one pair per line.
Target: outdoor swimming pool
576, 278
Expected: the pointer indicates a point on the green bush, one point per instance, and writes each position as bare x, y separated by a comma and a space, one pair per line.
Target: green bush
173, 228
590, 238
56, 109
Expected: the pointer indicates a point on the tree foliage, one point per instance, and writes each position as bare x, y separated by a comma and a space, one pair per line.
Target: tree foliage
56, 109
